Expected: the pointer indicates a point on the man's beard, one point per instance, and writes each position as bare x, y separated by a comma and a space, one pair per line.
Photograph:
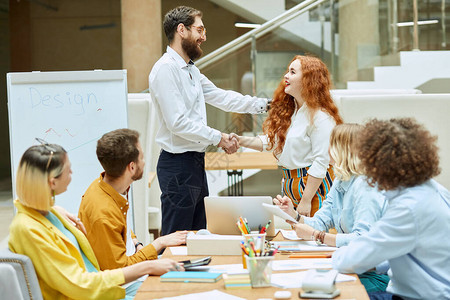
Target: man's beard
138, 175
191, 48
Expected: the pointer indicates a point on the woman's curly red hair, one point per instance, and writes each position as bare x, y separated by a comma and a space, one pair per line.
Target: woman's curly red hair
316, 83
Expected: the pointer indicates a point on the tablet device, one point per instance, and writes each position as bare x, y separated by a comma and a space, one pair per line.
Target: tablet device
188, 264
274, 209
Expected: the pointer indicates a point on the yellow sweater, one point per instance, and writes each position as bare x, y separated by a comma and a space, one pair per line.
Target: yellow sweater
58, 263
103, 212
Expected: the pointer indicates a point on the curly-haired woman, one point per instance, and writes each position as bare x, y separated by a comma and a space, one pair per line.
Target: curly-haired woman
298, 129
401, 157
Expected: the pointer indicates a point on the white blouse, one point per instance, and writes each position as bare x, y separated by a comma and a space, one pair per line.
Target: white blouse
307, 145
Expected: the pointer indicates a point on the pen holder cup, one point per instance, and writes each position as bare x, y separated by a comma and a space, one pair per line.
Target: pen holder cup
260, 270
259, 240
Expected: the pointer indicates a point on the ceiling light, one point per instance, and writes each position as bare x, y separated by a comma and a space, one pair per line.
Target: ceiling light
428, 22
247, 25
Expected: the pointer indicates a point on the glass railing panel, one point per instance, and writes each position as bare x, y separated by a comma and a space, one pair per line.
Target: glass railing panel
351, 37
231, 73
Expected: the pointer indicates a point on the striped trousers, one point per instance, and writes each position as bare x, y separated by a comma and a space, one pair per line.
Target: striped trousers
295, 182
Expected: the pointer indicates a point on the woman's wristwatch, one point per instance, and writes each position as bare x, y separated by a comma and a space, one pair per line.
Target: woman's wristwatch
298, 217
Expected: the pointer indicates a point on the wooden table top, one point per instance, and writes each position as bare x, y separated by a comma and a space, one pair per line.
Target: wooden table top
153, 288
240, 160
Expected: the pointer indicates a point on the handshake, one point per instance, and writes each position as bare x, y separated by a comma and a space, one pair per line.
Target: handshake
229, 143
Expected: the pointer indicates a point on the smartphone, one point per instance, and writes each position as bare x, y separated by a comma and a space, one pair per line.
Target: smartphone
196, 262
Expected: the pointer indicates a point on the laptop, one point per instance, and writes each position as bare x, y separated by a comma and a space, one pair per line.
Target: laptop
222, 213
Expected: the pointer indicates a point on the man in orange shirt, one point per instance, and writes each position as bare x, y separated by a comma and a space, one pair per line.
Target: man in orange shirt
104, 206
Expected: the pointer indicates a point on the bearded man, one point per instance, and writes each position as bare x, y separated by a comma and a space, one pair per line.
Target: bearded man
180, 92
104, 206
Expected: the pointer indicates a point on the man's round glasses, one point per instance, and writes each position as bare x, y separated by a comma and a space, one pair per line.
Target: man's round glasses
200, 29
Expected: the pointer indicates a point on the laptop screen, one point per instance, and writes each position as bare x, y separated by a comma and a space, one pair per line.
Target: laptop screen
222, 213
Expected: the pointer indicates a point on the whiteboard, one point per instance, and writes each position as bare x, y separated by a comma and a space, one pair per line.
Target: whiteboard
72, 109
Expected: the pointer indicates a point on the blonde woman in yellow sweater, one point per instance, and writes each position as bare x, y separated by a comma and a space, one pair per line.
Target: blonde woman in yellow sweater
64, 261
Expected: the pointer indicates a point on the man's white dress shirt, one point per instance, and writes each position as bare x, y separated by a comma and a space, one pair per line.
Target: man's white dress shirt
180, 92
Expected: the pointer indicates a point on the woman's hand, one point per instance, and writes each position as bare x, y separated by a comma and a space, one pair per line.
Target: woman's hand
251, 142
71, 218
164, 265
303, 231
286, 205
304, 208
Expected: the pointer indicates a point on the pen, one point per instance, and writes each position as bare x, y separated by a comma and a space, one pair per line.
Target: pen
246, 225
240, 228
275, 251
267, 226
310, 256
282, 187
252, 245
243, 225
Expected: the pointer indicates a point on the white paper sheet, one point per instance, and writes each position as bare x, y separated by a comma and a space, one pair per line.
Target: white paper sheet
229, 269
294, 280
290, 235
297, 246
182, 250
274, 209
301, 264
214, 294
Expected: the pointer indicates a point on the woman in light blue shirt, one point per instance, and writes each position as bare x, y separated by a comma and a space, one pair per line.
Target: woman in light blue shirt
351, 206
401, 157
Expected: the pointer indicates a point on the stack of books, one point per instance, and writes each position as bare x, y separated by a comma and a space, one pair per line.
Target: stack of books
237, 281
190, 276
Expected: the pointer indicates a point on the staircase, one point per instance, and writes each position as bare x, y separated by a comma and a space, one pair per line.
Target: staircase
417, 68
303, 30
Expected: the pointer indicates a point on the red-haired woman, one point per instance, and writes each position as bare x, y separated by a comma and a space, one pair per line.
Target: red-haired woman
298, 128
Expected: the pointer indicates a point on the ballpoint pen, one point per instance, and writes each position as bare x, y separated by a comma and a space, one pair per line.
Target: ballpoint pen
282, 187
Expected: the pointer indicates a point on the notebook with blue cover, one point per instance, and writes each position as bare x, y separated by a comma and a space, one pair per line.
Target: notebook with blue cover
191, 276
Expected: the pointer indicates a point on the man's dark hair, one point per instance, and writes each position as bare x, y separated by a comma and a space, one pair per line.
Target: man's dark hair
116, 149
181, 14
397, 153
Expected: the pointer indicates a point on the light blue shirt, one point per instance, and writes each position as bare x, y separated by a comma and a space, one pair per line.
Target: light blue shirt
351, 207
59, 225
413, 235
180, 92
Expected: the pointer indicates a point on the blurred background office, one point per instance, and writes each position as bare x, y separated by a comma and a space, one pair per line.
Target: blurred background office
366, 44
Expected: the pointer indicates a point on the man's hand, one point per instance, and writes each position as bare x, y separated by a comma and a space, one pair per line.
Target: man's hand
164, 265
228, 143
173, 239
286, 205
71, 218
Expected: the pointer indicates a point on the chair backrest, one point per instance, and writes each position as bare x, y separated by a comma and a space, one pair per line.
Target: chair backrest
142, 118
9, 284
26, 275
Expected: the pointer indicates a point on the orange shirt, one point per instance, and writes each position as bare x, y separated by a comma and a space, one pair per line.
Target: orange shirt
103, 212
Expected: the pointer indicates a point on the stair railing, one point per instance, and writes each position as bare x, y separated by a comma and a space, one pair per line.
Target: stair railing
247, 38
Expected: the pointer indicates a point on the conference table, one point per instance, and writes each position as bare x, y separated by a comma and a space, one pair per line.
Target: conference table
240, 160
153, 288
235, 163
